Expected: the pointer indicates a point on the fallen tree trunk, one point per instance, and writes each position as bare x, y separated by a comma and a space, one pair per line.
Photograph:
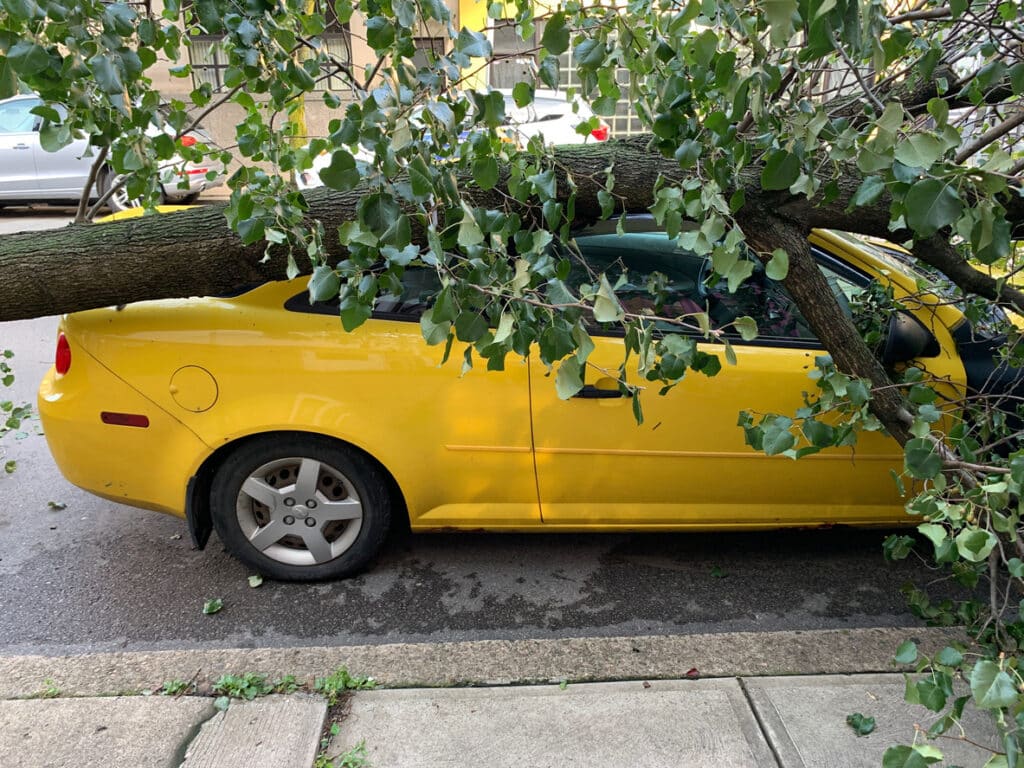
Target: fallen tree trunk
194, 253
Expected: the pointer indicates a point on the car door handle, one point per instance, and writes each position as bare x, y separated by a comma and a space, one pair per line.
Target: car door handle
590, 391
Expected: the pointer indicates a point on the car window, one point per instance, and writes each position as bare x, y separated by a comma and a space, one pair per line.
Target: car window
656, 277
15, 116
419, 287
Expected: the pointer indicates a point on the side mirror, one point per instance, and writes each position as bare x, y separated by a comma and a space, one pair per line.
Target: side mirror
907, 338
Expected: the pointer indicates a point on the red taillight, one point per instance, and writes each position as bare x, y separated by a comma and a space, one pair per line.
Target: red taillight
62, 360
188, 141
600, 133
124, 419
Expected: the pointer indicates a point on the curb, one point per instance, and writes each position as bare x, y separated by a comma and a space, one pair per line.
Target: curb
485, 662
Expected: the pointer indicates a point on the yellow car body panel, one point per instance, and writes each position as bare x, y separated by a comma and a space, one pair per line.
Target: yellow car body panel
146, 468
483, 450
278, 371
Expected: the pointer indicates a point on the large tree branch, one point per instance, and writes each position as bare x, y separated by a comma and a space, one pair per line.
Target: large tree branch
994, 133
193, 252
767, 230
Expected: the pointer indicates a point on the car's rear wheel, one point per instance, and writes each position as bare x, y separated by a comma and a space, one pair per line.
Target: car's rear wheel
300, 507
119, 200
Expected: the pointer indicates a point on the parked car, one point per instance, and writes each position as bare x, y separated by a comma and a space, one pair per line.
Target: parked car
551, 117
302, 444
28, 173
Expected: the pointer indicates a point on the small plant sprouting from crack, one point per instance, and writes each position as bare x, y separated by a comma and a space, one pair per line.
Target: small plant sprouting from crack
340, 681
247, 686
50, 690
176, 687
356, 757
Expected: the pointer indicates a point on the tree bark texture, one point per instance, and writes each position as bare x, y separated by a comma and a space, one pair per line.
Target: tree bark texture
194, 253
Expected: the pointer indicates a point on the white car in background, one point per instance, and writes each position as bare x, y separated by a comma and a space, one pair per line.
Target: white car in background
550, 116
28, 173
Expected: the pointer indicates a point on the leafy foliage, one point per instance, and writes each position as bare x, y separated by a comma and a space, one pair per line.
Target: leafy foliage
332, 686
11, 415
246, 686
896, 119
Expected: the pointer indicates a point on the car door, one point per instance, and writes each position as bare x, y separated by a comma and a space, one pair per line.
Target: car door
18, 141
63, 174
687, 464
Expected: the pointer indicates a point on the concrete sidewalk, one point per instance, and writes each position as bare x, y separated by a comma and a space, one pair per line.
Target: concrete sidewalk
728, 720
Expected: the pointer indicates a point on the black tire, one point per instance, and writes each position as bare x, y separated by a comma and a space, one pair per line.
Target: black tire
187, 199
287, 546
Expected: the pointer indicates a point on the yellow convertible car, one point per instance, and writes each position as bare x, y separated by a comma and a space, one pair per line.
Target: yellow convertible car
258, 416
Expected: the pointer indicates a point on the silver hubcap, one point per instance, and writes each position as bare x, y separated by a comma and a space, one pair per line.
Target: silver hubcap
119, 199
299, 511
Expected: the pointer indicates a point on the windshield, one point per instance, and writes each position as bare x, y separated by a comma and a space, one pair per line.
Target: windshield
987, 319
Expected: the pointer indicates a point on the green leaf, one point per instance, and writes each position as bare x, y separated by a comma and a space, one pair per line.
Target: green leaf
746, 327
8, 79
470, 326
213, 605
606, 306
485, 172
28, 58
353, 312
818, 433
420, 179
904, 757
324, 284
380, 33
469, 231
778, 265
949, 657
342, 173
906, 653
779, 14
931, 205
935, 533
920, 150
868, 192
920, 459
378, 211
556, 35
939, 109
473, 44
781, 170
106, 74
434, 332
992, 687
930, 695
522, 94
53, 137
548, 71
688, 153
860, 724
777, 437
975, 544
569, 378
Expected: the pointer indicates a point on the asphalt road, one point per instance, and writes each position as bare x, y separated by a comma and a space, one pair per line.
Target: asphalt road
96, 576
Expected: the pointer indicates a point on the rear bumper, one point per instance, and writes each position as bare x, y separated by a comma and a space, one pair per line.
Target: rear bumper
146, 467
